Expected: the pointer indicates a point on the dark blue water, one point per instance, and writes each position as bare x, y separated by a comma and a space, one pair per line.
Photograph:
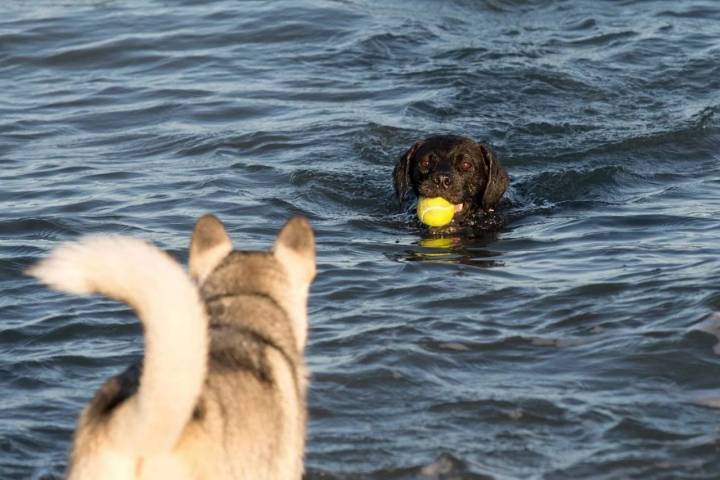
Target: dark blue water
577, 342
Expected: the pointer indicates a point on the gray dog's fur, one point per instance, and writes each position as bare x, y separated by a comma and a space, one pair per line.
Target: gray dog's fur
221, 390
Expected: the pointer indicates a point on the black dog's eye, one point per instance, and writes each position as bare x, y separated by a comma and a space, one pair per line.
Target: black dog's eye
425, 162
466, 166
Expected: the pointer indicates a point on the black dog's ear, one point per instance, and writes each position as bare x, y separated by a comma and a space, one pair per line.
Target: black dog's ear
401, 173
497, 179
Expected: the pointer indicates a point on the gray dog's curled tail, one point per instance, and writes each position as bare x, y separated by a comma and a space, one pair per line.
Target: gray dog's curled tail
168, 304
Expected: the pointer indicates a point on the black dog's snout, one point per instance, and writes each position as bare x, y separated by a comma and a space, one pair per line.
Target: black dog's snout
442, 180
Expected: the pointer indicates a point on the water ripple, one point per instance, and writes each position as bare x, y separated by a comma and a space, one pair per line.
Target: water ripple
576, 342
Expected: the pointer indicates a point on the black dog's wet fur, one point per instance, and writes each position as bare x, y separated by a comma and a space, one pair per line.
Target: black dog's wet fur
461, 171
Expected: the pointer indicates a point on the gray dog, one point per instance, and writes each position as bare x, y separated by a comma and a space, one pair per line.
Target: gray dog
221, 390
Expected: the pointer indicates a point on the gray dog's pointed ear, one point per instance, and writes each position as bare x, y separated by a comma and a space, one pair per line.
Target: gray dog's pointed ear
209, 245
295, 248
401, 172
497, 179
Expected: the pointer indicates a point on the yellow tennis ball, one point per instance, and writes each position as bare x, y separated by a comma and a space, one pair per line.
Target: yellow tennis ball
435, 212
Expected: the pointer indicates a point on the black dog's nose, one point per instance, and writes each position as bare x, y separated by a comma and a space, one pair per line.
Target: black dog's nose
442, 181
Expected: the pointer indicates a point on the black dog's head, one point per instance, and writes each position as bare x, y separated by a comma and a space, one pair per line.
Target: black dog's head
463, 172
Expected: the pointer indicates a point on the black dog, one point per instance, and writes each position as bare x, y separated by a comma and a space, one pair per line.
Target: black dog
463, 172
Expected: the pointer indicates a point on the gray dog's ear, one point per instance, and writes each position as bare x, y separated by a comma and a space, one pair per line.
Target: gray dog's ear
209, 245
497, 179
401, 173
295, 248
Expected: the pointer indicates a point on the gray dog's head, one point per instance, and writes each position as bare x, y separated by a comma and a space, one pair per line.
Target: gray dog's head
283, 274
464, 172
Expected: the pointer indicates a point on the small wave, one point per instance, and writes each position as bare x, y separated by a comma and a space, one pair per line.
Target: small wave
710, 325
694, 12
444, 467
45, 228
600, 184
603, 39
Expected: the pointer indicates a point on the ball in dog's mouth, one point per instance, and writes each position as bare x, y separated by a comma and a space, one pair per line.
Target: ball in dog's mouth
437, 211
